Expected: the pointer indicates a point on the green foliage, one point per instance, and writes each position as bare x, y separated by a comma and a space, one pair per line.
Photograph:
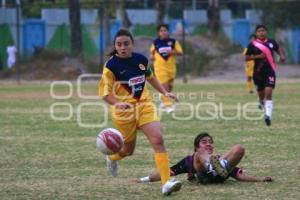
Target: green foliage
194, 63
33, 10
280, 14
61, 39
89, 48
200, 30
5, 39
144, 30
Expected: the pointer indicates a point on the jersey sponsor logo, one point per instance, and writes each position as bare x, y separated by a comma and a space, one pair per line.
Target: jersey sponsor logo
123, 71
136, 80
140, 88
142, 67
170, 43
164, 49
271, 79
271, 45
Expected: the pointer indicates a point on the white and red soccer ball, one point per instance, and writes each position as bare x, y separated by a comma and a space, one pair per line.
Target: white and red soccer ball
109, 141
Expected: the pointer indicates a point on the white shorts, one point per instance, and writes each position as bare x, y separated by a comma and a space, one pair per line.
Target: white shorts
10, 63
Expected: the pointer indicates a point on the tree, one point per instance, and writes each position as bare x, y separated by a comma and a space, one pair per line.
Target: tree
280, 14
125, 19
213, 15
74, 17
162, 7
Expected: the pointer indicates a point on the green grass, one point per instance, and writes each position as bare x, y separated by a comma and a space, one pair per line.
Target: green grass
46, 159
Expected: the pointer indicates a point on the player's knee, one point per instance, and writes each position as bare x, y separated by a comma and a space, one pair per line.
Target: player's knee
129, 152
239, 149
157, 143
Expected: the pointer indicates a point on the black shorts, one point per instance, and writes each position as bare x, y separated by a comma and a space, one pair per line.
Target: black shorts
207, 177
263, 79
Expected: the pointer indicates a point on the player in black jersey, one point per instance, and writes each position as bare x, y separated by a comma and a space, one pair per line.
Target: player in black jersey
261, 51
205, 167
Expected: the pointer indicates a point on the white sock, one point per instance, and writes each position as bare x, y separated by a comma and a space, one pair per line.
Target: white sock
269, 108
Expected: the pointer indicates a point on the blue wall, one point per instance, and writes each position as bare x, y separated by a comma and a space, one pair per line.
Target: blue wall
33, 36
241, 32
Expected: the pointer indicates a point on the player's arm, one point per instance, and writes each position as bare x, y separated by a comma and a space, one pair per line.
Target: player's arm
152, 52
250, 54
244, 177
281, 53
178, 168
177, 51
105, 90
157, 85
151, 178
254, 57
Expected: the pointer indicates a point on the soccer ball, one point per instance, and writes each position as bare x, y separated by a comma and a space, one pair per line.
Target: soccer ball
109, 141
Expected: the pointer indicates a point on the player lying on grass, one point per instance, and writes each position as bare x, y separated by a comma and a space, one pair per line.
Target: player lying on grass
205, 167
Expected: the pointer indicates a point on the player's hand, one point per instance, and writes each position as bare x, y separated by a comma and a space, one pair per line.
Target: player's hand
267, 179
122, 106
137, 180
152, 57
171, 52
262, 55
172, 96
282, 59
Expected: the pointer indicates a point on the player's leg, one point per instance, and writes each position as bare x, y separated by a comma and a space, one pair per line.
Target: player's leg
179, 168
233, 156
206, 165
268, 105
10, 63
164, 78
126, 124
201, 160
127, 150
260, 88
249, 73
166, 102
261, 98
270, 85
249, 84
152, 131
112, 160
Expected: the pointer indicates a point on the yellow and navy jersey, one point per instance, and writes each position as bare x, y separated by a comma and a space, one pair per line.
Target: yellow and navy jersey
125, 78
249, 63
159, 49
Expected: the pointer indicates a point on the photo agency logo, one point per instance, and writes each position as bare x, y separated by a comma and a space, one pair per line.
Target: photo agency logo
65, 108
202, 106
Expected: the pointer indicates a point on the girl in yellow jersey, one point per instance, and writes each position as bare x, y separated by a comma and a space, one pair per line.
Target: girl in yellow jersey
163, 52
123, 87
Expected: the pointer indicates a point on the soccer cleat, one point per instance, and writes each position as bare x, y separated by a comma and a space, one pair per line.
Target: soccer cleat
268, 120
251, 92
170, 109
171, 186
217, 166
112, 166
162, 106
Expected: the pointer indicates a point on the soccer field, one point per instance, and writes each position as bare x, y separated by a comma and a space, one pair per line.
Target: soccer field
46, 157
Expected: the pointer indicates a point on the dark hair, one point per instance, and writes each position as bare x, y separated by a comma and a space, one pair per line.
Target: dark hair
199, 137
162, 25
252, 36
121, 32
260, 26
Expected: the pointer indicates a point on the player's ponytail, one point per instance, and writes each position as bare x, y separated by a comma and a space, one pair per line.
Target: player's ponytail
121, 32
